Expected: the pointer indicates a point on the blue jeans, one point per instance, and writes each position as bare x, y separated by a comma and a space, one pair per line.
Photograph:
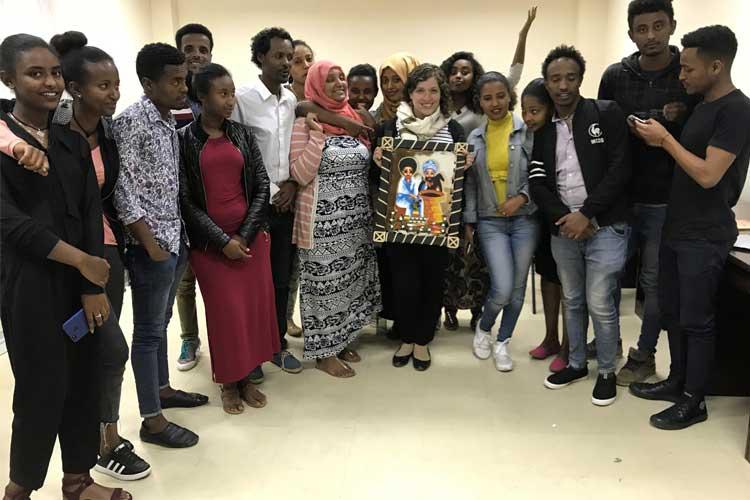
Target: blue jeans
589, 272
153, 287
508, 246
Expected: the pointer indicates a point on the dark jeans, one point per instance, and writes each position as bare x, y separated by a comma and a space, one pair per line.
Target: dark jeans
418, 274
645, 239
114, 348
186, 309
153, 286
56, 396
282, 253
689, 276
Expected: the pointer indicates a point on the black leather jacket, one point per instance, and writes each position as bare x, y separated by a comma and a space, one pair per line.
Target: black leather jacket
201, 229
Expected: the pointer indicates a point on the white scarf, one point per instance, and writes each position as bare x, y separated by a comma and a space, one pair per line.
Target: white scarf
421, 129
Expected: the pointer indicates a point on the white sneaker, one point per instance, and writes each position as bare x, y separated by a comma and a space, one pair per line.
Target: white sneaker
501, 351
482, 344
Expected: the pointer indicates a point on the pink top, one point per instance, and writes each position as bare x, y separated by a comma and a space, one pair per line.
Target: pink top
304, 161
8, 140
96, 156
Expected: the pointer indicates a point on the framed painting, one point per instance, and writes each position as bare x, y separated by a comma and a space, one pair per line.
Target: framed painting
420, 193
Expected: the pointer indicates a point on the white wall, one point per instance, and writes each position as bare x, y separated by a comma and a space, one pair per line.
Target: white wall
368, 31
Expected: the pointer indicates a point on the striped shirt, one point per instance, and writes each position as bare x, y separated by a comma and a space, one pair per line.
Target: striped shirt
304, 161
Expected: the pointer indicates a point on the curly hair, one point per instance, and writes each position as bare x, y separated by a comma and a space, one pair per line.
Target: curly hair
424, 72
261, 42
716, 42
638, 7
566, 52
193, 29
493, 76
153, 57
476, 68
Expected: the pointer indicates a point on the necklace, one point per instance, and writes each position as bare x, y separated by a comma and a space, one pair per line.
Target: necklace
40, 133
88, 134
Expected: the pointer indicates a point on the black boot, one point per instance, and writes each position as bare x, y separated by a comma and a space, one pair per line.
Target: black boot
689, 411
451, 321
666, 390
476, 315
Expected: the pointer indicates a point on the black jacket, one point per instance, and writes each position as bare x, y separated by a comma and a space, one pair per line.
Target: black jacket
601, 140
111, 159
201, 229
36, 212
645, 94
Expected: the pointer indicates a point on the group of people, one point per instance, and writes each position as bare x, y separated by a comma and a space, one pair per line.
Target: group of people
265, 192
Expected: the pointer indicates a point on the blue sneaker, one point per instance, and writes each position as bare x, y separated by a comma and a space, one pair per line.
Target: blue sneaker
189, 355
287, 362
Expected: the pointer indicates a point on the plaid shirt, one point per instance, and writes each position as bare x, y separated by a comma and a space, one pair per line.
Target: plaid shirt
148, 187
646, 93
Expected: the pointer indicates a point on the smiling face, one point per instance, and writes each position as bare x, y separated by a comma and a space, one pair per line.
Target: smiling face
651, 32
197, 50
301, 62
335, 86
425, 99
277, 62
220, 100
563, 81
362, 90
462, 76
535, 112
392, 86
37, 80
494, 99
101, 91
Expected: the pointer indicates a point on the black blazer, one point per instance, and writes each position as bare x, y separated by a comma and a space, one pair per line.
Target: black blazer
201, 229
111, 160
601, 140
37, 212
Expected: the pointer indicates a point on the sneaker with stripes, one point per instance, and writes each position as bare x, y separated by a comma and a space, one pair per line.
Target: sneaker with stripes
122, 463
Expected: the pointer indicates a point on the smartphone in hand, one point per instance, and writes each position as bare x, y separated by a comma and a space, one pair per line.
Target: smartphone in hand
633, 119
76, 327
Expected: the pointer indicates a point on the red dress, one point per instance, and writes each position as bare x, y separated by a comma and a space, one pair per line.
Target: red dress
238, 294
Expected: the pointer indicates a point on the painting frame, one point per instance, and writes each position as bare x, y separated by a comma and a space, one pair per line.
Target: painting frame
386, 229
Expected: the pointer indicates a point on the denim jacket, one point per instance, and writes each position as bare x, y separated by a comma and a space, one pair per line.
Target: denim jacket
480, 199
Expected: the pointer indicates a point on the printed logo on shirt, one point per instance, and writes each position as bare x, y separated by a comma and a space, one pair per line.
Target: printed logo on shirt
596, 134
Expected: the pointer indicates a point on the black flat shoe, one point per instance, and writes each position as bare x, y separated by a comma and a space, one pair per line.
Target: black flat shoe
183, 399
399, 361
666, 390
421, 365
689, 411
173, 436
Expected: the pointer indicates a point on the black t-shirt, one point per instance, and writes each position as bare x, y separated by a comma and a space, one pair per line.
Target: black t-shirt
696, 213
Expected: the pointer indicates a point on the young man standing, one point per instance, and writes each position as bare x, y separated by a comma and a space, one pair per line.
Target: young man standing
268, 108
197, 43
711, 158
647, 84
146, 197
578, 176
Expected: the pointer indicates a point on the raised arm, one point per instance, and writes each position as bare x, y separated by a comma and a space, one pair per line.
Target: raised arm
519, 57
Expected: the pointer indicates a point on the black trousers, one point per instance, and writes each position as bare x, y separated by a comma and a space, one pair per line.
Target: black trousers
689, 275
417, 274
56, 396
386, 284
282, 253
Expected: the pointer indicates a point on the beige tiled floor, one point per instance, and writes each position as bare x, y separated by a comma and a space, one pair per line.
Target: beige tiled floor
460, 431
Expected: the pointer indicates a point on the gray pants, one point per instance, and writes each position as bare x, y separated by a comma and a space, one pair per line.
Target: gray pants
114, 349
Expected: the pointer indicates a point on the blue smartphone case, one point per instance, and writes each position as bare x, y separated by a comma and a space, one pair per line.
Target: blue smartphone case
76, 327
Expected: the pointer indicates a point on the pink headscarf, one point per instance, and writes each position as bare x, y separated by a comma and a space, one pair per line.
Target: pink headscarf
315, 91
